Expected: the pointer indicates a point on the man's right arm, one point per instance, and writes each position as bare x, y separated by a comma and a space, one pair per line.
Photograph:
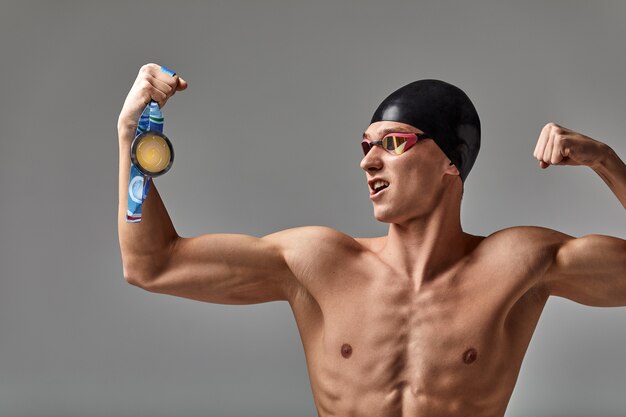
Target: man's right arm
217, 268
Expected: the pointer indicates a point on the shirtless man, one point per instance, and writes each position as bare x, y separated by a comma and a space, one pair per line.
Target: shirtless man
426, 321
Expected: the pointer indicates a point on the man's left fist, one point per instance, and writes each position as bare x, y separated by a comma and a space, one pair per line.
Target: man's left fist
560, 146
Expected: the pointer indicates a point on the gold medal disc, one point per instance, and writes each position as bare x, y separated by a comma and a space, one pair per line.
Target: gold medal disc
153, 153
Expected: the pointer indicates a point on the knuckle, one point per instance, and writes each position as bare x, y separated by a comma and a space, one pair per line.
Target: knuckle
145, 85
148, 68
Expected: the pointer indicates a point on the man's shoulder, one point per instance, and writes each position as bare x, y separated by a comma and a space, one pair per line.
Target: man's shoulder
524, 241
314, 254
527, 235
315, 241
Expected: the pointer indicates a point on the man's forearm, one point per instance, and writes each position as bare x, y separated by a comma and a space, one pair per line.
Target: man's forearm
146, 244
613, 171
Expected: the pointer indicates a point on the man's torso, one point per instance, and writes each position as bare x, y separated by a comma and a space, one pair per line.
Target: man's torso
378, 343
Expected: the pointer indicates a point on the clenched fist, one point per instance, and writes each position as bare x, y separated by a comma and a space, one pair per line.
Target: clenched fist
151, 84
560, 146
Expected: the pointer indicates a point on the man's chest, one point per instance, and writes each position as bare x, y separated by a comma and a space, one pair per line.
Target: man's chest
393, 327
380, 330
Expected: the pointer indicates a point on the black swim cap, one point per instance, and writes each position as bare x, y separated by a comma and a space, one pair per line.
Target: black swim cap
443, 112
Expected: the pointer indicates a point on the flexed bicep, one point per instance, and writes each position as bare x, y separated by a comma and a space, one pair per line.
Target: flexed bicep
590, 270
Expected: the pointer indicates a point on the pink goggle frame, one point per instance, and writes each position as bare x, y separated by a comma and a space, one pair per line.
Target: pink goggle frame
394, 143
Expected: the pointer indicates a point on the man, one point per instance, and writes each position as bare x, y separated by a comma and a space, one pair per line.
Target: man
426, 321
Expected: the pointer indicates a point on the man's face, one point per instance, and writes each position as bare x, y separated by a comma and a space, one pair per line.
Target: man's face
416, 177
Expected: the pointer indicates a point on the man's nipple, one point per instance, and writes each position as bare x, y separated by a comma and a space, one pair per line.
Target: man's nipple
346, 350
470, 355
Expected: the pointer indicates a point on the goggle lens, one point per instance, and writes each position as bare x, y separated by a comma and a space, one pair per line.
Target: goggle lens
394, 144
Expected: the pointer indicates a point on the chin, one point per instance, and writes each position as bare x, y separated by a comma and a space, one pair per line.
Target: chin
397, 216
384, 216
381, 219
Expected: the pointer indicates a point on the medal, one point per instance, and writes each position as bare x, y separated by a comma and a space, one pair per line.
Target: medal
152, 153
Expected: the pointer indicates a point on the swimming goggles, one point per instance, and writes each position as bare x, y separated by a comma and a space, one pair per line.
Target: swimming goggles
394, 143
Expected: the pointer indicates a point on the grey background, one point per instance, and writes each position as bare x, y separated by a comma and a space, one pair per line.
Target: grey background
266, 138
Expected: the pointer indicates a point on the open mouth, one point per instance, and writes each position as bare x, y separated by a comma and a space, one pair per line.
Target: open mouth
379, 186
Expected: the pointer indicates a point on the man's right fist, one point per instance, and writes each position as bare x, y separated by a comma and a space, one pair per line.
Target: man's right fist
151, 84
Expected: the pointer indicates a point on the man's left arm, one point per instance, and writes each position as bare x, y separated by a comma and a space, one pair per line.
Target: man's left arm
591, 269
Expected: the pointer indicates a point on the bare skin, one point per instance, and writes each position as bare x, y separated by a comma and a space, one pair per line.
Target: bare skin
426, 321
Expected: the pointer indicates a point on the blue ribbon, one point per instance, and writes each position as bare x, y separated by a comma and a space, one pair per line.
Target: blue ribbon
139, 184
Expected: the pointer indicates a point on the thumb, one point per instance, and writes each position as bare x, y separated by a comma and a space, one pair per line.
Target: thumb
182, 84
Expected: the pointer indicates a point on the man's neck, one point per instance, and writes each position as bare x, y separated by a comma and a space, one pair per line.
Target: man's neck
425, 247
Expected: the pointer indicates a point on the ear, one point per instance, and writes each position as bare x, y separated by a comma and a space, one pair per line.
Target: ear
451, 169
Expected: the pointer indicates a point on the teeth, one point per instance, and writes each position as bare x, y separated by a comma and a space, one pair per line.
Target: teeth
379, 184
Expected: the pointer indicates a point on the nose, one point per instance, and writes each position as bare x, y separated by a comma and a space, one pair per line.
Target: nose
373, 161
